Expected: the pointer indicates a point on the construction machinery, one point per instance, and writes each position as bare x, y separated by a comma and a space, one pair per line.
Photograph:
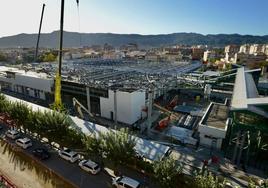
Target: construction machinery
79, 107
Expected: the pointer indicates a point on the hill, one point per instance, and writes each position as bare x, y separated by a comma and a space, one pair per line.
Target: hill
72, 39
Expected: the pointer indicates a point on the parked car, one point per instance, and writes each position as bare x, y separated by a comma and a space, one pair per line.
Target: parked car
41, 153
69, 155
90, 166
13, 134
24, 142
125, 182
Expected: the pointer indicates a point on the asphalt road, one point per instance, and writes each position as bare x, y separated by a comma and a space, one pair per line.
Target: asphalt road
67, 170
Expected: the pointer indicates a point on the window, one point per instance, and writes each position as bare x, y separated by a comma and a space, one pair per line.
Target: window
28, 142
75, 155
127, 186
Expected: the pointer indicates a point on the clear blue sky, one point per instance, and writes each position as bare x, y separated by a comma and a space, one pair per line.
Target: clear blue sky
138, 16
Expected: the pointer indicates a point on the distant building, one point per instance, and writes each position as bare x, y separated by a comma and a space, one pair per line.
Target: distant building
129, 47
250, 60
230, 51
152, 56
197, 53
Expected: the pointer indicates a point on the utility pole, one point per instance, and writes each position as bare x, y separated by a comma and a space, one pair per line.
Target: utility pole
38, 38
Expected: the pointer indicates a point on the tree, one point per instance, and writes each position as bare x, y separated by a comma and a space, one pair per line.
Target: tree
3, 57
166, 172
4, 104
49, 57
207, 180
19, 112
93, 147
118, 146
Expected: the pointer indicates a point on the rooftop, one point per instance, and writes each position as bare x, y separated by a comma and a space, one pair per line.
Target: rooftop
217, 116
245, 94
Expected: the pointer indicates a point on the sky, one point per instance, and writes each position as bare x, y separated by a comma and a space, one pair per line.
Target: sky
137, 16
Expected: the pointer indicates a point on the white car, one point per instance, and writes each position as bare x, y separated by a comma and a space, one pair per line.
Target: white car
69, 155
13, 134
24, 142
89, 166
125, 182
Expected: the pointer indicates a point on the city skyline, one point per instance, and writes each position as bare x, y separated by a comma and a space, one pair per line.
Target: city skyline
125, 17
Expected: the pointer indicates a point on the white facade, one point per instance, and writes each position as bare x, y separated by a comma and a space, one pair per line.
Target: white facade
28, 83
211, 135
128, 106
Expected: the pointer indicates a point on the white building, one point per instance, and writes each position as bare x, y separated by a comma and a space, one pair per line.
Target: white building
213, 126
27, 83
123, 105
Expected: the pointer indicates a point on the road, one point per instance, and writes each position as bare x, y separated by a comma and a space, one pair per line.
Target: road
71, 172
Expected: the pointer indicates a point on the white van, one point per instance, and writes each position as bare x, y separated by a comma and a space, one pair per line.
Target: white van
24, 142
69, 155
125, 182
13, 134
89, 166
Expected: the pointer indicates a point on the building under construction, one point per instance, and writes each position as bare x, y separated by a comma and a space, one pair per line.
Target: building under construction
247, 135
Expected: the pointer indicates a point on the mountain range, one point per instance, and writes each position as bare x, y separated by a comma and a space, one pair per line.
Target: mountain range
74, 39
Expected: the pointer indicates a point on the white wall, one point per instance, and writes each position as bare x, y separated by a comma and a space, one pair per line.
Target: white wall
129, 106
211, 131
33, 82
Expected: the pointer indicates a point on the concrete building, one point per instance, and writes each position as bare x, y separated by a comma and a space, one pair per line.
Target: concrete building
250, 60
197, 53
37, 85
244, 48
213, 125
207, 55
123, 105
247, 137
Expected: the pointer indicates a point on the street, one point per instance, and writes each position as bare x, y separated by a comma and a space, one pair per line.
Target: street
68, 171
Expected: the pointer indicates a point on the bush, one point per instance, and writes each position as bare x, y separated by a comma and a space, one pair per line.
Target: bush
166, 172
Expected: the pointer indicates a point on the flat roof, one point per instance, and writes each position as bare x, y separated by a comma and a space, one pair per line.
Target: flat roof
217, 116
245, 91
23, 72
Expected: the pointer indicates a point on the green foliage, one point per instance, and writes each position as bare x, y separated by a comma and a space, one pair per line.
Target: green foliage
3, 57
20, 113
50, 57
207, 180
4, 104
117, 146
167, 172
52, 125
93, 146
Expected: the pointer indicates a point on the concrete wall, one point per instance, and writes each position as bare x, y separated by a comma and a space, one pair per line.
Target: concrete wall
211, 132
129, 106
35, 83
30, 82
